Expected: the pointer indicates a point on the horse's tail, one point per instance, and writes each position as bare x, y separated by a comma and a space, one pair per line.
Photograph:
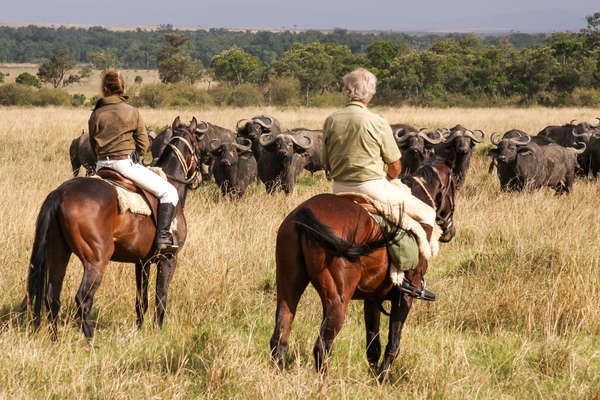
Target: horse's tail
306, 222
36, 282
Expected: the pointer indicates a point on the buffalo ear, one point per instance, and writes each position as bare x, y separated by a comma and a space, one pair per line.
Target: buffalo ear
524, 151
176, 124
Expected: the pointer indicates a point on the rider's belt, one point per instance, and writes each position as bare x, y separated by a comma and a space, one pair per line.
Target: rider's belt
121, 157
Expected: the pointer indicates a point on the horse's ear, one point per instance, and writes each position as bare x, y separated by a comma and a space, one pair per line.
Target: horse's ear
176, 123
193, 125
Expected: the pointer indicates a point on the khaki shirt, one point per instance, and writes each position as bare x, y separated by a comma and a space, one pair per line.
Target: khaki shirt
116, 128
358, 144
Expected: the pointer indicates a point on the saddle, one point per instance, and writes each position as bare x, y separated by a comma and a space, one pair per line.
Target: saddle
115, 178
404, 249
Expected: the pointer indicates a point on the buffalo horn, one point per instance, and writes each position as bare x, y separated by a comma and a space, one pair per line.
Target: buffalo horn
520, 142
243, 147
581, 150
582, 134
202, 127
262, 123
402, 138
245, 121
266, 139
431, 140
495, 139
571, 123
306, 142
472, 135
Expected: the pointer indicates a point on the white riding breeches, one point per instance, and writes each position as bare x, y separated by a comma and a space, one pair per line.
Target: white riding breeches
142, 176
388, 192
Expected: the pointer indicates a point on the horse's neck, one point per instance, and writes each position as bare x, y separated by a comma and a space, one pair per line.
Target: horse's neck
173, 168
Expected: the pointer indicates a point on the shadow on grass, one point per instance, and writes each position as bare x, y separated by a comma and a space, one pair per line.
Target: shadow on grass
13, 316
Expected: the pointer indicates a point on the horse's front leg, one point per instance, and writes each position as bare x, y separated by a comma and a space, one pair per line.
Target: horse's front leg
372, 321
165, 270
142, 272
401, 304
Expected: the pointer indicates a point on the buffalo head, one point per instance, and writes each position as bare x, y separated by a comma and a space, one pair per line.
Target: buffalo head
255, 127
285, 144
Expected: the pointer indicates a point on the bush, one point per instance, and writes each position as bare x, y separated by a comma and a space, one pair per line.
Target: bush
138, 79
584, 97
27, 79
327, 99
14, 94
246, 95
285, 92
78, 100
220, 94
184, 94
153, 95
1, 77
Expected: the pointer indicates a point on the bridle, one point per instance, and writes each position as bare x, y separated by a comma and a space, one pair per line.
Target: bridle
444, 221
192, 167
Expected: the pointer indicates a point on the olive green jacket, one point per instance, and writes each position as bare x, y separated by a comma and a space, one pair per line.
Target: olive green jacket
357, 144
116, 128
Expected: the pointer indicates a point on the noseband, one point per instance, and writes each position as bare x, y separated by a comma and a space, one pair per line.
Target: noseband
187, 168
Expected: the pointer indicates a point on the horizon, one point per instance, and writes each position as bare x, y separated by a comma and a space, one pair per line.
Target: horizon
538, 16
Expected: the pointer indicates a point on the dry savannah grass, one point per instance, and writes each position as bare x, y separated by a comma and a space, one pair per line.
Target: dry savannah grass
518, 288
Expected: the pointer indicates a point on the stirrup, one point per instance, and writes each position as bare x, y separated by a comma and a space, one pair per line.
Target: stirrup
416, 292
167, 247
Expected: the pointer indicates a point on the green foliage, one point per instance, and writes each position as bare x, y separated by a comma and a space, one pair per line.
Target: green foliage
78, 100
14, 94
27, 79
104, 60
284, 91
235, 66
170, 95
54, 69
138, 79
246, 95
174, 65
584, 97
1, 77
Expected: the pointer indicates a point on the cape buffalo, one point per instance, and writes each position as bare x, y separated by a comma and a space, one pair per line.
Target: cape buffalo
81, 154
458, 144
415, 146
206, 134
253, 128
314, 153
524, 162
282, 157
234, 165
568, 135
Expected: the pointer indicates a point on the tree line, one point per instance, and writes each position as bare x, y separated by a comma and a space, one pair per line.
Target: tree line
558, 69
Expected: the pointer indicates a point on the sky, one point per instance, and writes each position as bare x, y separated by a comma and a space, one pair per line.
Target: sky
396, 15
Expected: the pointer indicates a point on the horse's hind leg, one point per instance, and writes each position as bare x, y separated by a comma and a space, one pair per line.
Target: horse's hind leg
165, 269
58, 257
372, 322
289, 291
142, 272
400, 307
92, 277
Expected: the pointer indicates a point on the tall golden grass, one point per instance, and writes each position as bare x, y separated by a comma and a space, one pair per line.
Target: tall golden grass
517, 314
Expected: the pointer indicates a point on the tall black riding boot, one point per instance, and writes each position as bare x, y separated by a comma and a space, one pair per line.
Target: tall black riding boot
164, 241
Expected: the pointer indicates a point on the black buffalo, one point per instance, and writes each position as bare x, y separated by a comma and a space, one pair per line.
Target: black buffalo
208, 133
315, 152
81, 154
593, 151
569, 135
234, 165
415, 146
281, 159
524, 162
253, 128
458, 144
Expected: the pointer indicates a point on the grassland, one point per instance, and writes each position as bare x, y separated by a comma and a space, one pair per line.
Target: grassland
517, 315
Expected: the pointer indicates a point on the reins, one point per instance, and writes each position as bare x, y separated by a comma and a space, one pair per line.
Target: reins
446, 188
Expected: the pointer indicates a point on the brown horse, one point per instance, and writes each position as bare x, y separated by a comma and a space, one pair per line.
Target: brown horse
333, 243
82, 216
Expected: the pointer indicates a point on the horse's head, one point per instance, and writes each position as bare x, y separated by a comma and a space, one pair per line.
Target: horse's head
441, 185
184, 145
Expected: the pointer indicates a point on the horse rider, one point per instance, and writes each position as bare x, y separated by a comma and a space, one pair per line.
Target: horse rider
361, 156
117, 134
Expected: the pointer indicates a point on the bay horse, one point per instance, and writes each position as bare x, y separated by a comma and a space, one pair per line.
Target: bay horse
333, 243
82, 216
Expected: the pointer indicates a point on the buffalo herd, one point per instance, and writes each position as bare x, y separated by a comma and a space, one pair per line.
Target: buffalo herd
259, 150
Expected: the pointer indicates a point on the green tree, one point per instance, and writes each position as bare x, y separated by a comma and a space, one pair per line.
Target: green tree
531, 71
381, 53
104, 60
174, 65
27, 79
235, 67
1, 77
54, 70
310, 64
